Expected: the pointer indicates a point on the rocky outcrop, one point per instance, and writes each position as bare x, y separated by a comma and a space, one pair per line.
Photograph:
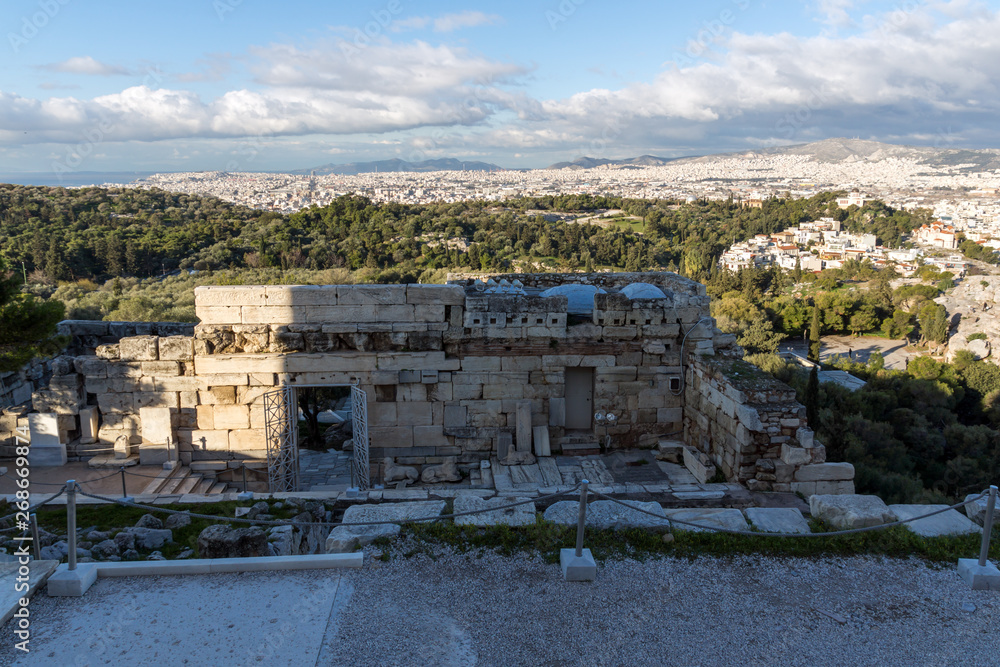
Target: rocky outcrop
222, 541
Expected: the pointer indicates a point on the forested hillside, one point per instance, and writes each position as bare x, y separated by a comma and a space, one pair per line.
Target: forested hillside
98, 234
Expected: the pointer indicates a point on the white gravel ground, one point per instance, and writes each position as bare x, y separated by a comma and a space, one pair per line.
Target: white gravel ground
469, 609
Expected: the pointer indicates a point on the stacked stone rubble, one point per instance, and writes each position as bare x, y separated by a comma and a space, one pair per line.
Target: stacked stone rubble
752, 427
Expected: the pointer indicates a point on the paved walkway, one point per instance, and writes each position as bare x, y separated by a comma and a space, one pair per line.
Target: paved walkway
324, 471
894, 351
442, 608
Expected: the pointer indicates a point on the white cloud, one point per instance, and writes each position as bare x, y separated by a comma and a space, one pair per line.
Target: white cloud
448, 22
86, 65
321, 90
909, 74
835, 12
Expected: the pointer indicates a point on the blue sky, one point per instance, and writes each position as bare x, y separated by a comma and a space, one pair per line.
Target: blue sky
249, 85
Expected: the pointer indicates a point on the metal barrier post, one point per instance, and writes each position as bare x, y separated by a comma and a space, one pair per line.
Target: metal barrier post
578, 564
71, 521
124, 491
982, 575
582, 520
984, 550
35, 543
243, 467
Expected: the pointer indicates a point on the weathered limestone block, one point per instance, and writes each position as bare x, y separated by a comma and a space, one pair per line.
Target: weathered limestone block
825, 472
232, 417
109, 403
139, 348
176, 348
247, 440
362, 295
349, 538
848, 511
91, 366
157, 424
797, 456
430, 436
156, 399
108, 352
161, 368
492, 515
698, 464
945, 524
209, 440
604, 514
88, 425
977, 510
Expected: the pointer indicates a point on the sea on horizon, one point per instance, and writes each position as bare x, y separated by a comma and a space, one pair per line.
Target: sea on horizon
72, 179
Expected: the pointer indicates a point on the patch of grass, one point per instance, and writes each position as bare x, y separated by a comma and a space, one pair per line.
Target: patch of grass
546, 539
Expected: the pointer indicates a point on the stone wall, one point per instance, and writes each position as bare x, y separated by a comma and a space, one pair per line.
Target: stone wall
754, 430
445, 368
85, 335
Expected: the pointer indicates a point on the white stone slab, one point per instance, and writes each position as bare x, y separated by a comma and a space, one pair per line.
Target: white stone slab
716, 517
977, 510
777, 519
845, 512
522, 515
88, 425
606, 514
947, 523
349, 538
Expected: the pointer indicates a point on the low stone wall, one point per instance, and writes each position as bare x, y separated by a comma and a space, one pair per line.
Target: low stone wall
754, 430
85, 335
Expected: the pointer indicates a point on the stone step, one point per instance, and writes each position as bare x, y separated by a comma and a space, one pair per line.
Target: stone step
160, 481
209, 466
174, 482
203, 486
187, 486
220, 487
580, 448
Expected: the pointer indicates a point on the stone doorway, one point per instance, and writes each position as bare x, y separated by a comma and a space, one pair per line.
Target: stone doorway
283, 415
579, 399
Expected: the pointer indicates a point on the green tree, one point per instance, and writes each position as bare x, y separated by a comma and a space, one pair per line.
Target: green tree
759, 337
812, 398
933, 320
27, 326
814, 333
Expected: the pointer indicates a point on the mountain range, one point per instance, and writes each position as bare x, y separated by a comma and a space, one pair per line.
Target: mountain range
829, 150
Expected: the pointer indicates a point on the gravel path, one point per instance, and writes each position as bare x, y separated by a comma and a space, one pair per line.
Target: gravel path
444, 608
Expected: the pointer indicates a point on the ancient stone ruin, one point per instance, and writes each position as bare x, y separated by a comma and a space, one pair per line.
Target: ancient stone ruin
452, 375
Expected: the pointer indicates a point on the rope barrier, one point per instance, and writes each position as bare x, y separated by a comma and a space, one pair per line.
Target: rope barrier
263, 522
837, 533
34, 507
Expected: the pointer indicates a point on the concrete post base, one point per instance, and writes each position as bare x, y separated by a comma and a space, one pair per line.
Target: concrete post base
244, 495
72, 583
979, 578
574, 568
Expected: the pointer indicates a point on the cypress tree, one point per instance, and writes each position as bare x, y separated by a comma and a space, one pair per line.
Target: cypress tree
814, 343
